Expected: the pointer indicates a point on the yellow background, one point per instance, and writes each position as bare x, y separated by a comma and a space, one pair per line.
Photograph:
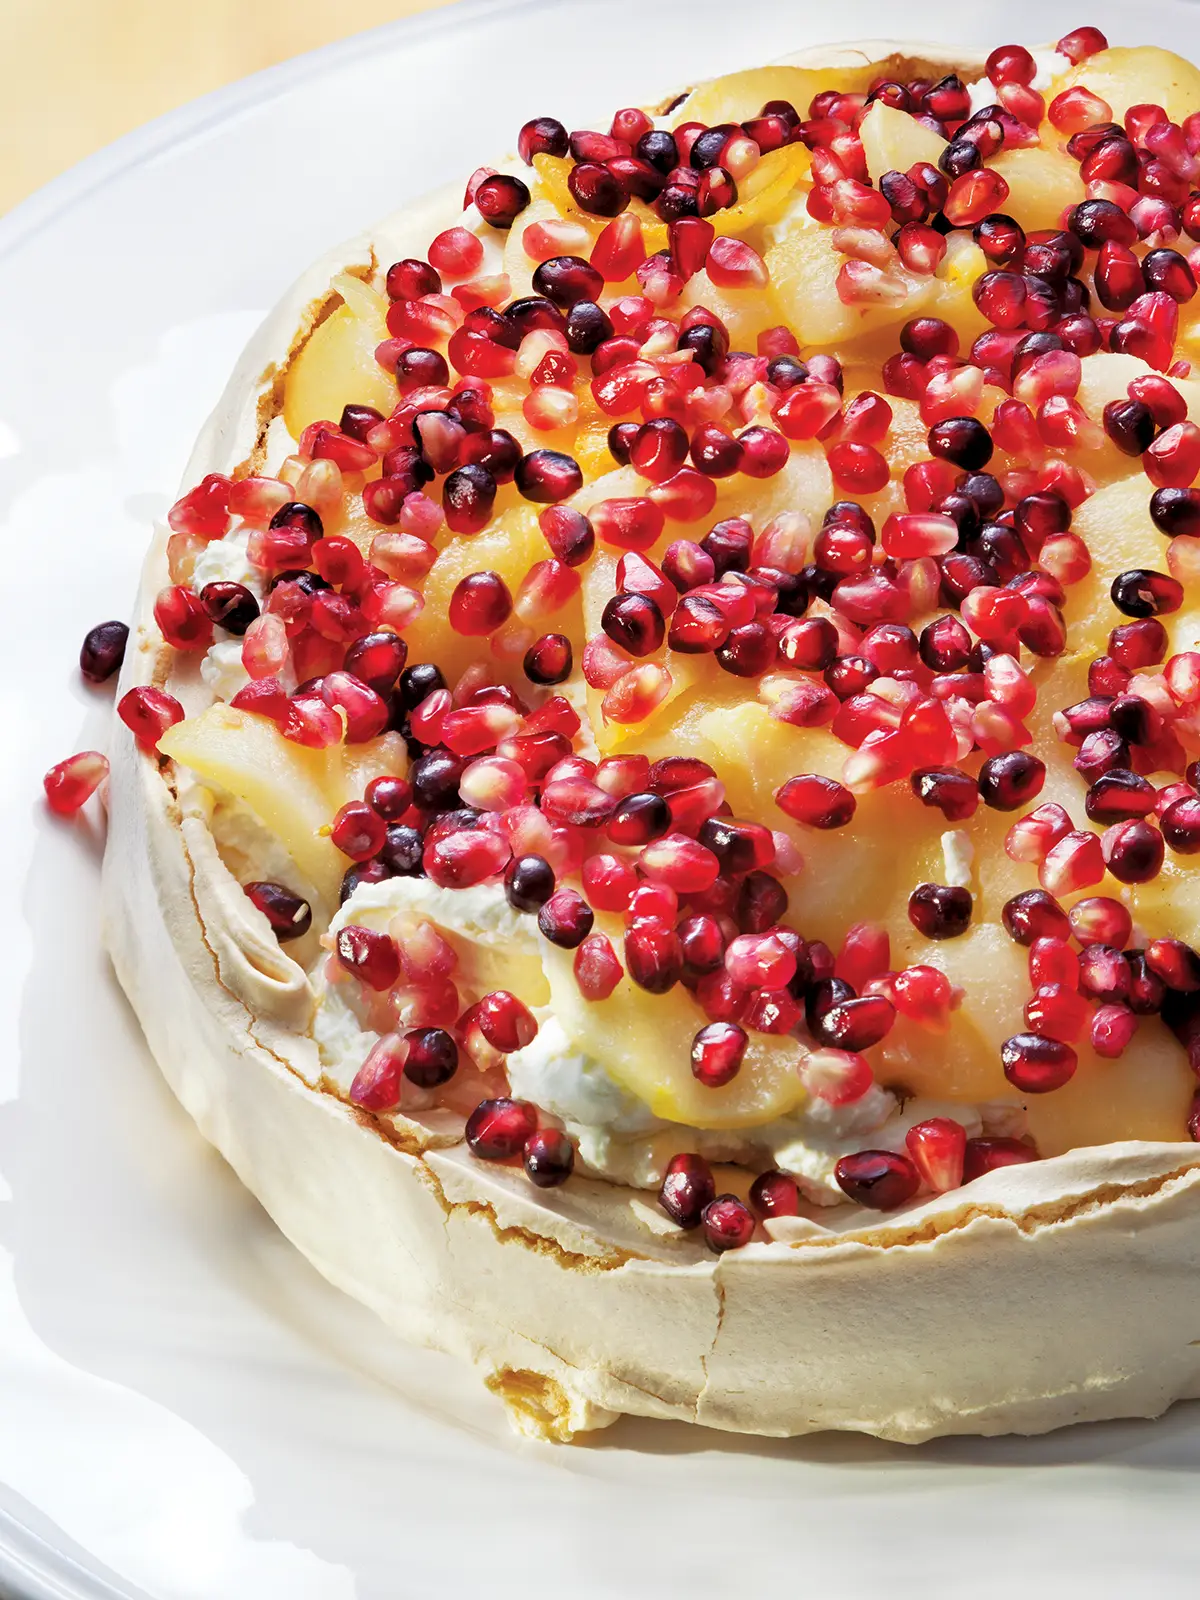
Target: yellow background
79, 73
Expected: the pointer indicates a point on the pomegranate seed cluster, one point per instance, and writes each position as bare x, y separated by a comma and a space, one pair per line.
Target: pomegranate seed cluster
917, 639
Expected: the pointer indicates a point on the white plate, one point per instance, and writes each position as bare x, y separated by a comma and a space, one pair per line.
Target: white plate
186, 1410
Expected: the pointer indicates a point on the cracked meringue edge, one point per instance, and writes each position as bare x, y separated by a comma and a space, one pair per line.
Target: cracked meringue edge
1046, 1294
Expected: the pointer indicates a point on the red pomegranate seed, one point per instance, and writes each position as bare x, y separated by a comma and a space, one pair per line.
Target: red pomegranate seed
687, 1190
728, 1224
369, 956
1036, 1065
816, 800
1176, 963
775, 1194
497, 1129
937, 1148
148, 713
1057, 1012
377, 1083
358, 831
856, 1024
653, 957
878, 1179
1074, 862
71, 783
456, 252
182, 619
505, 1022
597, 968
1081, 43
1112, 1030
469, 856
480, 604
988, 1155
717, 1052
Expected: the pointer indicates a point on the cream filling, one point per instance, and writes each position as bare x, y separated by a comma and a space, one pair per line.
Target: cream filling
618, 1137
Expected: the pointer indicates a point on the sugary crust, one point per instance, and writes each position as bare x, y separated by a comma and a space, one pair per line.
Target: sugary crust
1044, 1294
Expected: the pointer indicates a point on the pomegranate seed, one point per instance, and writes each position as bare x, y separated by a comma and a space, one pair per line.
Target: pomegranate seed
775, 1194
565, 919
364, 714
838, 1077
1175, 963
953, 792
469, 856
1057, 1012
717, 1052
728, 1224
856, 1024
940, 911
687, 1190
103, 651
1180, 824
501, 199
368, 955
549, 1157
71, 783
528, 882
377, 1083
547, 476
1133, 851
878, 1179
937, 1148
358, 831
148, 713
1011, 780
988, 1155
498, 1129
182, 620
597, 969
1036, 1065
480, 604
653, 957
816, 800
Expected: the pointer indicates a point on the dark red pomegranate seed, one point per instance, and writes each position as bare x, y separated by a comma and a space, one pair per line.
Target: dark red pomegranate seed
468, 496
432, 1057
597, 190
1180, 824
549, 1157
856, 1024
1119, 795
1035, 1065
963, 441
940, 911
1133, 851
728, 1223
953, 792
501, 199
1034, 914
290, 916
1176, 963
653, 957
541, 136
1011, 780
549, 659
528, 883
103, 649
547, 476
687, 1188
1143, 593
775, 1194
879, 1179
565, 919
634, 622
497, 1129
987, 1155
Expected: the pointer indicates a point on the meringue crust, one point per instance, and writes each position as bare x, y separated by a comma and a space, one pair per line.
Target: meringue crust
1059, 1291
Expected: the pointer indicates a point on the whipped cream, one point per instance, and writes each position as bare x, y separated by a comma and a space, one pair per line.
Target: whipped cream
226, 561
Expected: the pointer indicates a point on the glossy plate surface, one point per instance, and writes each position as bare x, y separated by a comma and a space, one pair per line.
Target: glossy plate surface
186, 1410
